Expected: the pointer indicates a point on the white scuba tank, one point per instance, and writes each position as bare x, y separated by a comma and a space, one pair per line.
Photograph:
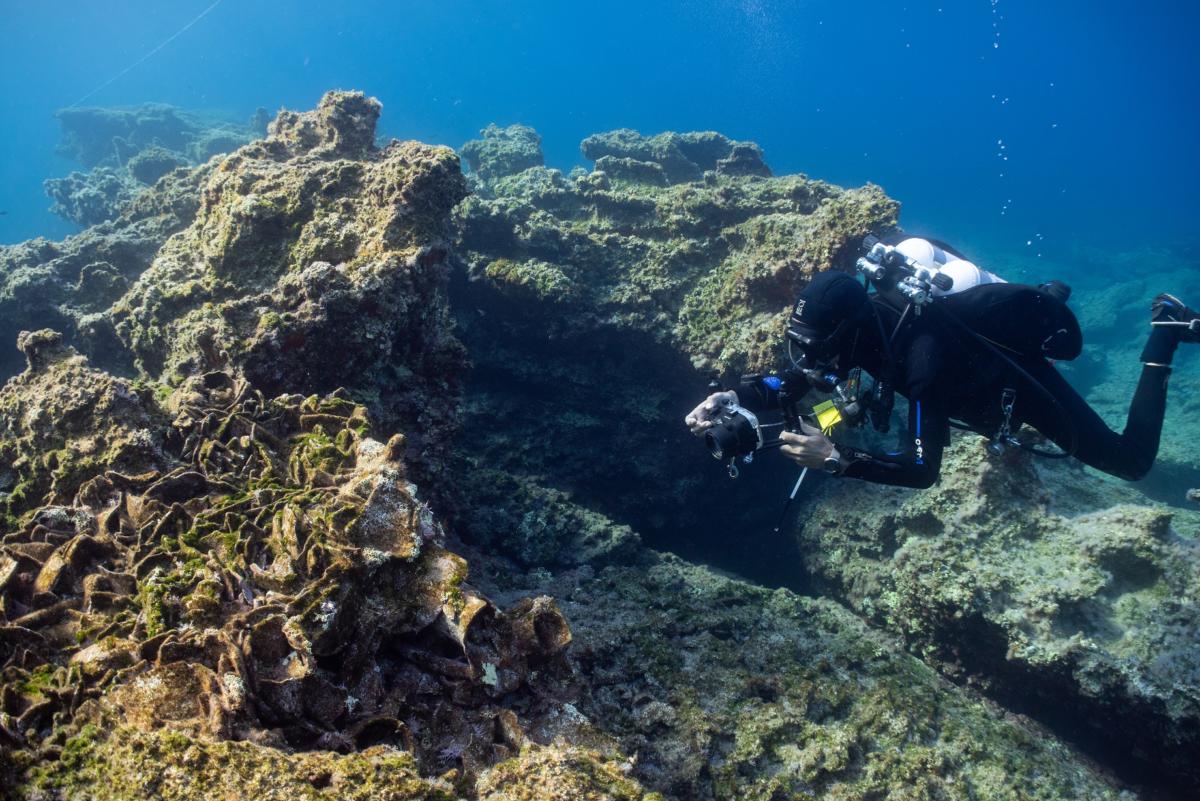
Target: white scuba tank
966, 275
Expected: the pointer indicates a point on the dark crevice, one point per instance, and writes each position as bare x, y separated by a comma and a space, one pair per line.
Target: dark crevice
601, 418
978, 652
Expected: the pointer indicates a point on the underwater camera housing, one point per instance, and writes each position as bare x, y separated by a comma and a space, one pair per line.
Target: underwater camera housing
737, 433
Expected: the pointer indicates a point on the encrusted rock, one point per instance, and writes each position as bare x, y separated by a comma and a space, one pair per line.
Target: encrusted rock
69, 284
92, 197
256, 586
42, 348
114, 136
62, 420
682, 157
153, 163
128, 763
126, 149
538, 526
342, 125
561, 774
503, 151
727, 690
316, 261
1024, 579
648, 243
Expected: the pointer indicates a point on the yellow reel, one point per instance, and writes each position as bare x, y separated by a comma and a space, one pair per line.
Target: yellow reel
828, 415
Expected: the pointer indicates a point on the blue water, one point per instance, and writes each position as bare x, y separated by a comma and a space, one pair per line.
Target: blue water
995, 123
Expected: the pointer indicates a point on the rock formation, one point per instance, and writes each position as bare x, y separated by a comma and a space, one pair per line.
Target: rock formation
127, 149
70, 285
93, 197
256, 569
315, 261
597, 306
683, 237
728, 690
218, 575
1026, 579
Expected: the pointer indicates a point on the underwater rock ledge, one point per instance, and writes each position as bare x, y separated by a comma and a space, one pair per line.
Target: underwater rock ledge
126, 150
217, 573
265, 572
1058, 592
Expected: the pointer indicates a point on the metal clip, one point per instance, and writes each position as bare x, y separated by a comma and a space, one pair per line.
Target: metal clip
1004, 437
732, 469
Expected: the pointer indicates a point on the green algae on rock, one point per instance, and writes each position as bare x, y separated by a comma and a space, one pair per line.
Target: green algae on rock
1023, 579
93, 197
683, 236
562, 774
308, 260
128, 763
70, 285
503, 151
277, 579
128, 149
62, 421
315, 261
726, 690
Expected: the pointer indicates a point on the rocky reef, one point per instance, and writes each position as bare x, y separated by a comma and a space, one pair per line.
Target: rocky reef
309, 260
685, 238
218, 576
70, 285
92, 197
124, 150
315, 261
728, 690
601, 385
597, 306
1049, 588
255, 570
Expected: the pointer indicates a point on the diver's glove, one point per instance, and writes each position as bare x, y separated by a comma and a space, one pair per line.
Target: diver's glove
1168, 311
1172, 322
705, 416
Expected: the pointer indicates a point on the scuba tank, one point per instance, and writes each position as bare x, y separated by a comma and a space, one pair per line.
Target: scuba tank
1016, 322
1023, 320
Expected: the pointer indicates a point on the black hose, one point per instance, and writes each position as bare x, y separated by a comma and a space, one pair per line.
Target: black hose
1067, 453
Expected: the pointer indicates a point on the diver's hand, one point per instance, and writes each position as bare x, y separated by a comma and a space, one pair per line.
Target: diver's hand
809, 448
701, 418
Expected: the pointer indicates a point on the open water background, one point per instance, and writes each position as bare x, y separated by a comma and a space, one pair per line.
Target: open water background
1064, 125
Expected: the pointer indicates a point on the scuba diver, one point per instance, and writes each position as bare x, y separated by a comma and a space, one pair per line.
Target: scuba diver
967, 349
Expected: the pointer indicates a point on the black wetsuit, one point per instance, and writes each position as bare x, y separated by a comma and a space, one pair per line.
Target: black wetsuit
944, 377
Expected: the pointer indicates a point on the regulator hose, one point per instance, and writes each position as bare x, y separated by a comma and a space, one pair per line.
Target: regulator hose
1066, 453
